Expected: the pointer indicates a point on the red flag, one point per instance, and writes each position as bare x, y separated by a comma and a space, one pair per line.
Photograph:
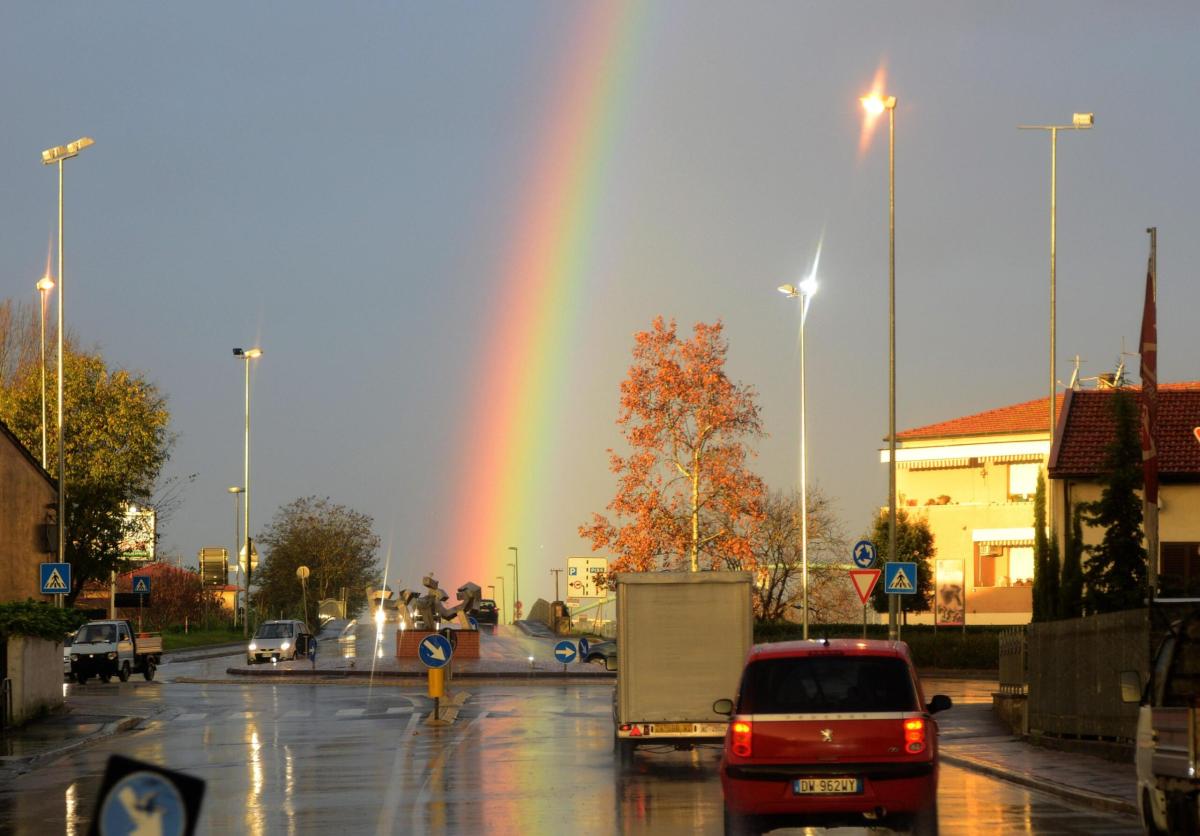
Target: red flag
1149, 372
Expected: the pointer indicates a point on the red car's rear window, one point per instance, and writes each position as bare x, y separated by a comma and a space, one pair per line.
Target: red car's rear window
827, 684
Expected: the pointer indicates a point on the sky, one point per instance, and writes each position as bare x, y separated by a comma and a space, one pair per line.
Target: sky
444, 223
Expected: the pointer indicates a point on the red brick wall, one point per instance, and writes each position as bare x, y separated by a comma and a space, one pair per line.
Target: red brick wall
408, 640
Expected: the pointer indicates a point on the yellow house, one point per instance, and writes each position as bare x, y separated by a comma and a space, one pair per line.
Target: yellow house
973, 479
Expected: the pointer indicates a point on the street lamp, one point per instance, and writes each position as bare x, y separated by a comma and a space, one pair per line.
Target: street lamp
45, 285
57, 156
516, 564
805, 292
1079, 122
503, 597
876, 104
246, 356
515, 600
237, 538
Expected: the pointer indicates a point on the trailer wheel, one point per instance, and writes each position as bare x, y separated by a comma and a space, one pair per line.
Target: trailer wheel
148, 671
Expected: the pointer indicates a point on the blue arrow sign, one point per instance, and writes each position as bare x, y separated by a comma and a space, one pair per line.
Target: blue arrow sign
435, 651
564, 652
900, 578
863, 554
141, 584
583, 648
56, 578
473, 621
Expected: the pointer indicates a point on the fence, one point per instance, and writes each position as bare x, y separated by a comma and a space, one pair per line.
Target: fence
1074, 669
1014, 672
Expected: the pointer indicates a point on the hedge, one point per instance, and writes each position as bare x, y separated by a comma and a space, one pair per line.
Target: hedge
976, 648
38, 619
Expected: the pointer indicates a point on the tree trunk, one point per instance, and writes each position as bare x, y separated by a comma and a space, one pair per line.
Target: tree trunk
696, 511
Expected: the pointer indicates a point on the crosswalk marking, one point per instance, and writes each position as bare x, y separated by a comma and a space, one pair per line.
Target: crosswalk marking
350, 712
241, 715
191, 717
296, 714
400, 709
293, 715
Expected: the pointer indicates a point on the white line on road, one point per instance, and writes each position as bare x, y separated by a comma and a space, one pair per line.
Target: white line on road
190, 717
400, 709
350, 712
296, 715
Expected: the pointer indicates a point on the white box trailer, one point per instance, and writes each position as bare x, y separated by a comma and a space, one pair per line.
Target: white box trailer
682, 639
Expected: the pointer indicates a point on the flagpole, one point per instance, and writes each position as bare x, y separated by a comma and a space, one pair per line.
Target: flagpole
1149, 375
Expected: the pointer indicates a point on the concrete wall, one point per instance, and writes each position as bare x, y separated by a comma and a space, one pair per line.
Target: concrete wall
36, 670
25, 493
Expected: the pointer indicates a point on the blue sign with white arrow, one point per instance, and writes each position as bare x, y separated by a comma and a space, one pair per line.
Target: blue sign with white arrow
473, 621
56, 578
900, 578
564, 652
864, 554
583, 647
141, 584
435, 651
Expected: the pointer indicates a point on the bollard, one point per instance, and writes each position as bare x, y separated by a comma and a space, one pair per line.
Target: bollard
437, 688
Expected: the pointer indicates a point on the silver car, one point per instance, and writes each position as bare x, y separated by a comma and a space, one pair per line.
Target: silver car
276, 641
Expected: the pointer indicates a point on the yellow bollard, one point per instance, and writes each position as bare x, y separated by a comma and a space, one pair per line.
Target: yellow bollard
437, 682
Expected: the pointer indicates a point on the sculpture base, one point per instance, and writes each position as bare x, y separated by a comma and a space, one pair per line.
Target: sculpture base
407, 642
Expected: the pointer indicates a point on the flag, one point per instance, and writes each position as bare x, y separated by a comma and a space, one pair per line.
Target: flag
1149, 373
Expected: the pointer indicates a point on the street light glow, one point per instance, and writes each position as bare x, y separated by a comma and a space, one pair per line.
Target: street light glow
809, 286
876, 103
45, 283
787, 290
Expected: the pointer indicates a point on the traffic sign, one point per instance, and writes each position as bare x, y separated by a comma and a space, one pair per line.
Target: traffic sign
900, 578
56, 578
564, 652
473, 621
864, 582
136, 797
435, 651
141, 584
583, 648
864, 554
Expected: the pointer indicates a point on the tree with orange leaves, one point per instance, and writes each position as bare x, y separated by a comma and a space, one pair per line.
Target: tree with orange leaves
685, 497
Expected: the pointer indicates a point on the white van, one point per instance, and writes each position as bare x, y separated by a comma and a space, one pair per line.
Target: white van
277, 641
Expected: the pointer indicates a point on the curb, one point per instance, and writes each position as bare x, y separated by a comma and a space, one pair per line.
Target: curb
214, 651
1079, 796
21, 765
342, 673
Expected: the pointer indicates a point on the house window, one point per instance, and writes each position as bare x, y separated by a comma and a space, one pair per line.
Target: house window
1022, 481
1003, 565
1180, 569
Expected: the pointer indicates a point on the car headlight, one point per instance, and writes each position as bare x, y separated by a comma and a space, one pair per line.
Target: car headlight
112, 656
74, 657
285, 645
253, 646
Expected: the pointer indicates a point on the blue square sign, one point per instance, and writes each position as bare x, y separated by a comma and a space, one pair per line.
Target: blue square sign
56, 578
900, 578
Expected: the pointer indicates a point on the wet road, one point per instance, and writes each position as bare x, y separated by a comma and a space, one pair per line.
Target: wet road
320, 758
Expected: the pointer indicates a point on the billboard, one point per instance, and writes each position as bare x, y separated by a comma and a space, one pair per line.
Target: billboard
581, 577
214, 565
139, 534
950, 600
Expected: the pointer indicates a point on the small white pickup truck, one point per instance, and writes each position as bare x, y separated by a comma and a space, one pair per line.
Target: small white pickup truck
112, 648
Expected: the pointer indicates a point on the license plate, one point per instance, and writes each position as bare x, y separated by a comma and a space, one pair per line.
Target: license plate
672, 728
825, 786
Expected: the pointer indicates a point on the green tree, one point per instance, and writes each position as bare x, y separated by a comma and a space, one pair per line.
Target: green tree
914, 543
1045, 559
1071, 589
336, 543
1115, 575
117, 441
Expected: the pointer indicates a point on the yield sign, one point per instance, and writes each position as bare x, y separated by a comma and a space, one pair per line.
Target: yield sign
864, 582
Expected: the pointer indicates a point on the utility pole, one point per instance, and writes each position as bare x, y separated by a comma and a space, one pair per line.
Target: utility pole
556, 573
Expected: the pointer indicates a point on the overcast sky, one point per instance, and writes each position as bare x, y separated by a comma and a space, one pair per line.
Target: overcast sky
343, 182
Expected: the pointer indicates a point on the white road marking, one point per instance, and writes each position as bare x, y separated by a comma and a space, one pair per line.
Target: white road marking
190, 717
400, 709
295, 715
350, 712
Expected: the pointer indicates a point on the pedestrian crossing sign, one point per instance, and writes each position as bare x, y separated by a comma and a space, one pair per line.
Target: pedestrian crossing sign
900, 578
56, 578
141, 584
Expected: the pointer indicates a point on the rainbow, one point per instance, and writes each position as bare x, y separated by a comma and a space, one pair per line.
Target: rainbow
514, 421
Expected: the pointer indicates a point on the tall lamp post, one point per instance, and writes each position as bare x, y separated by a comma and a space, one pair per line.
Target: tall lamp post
515, 599
45, 285
237, 539
1079, 122
876, 104
503, 597
246, 355
805, 292
516, 567
58, 155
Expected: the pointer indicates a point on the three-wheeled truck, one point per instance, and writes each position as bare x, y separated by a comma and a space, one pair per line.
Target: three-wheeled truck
112, 648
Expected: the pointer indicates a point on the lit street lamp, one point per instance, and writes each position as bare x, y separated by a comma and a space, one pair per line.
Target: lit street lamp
45, 285
237, 538
1079, 122
805, 292
875, 104
57, 156
246, 356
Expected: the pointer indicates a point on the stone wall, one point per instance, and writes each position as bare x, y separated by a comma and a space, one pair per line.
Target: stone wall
35, 669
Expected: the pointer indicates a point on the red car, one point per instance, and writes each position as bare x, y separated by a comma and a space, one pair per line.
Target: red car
830, 732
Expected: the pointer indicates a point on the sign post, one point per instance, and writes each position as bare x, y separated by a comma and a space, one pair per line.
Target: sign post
141, 588
864, 584
565, 652
56, 580
435, 652
900, 578
864, 555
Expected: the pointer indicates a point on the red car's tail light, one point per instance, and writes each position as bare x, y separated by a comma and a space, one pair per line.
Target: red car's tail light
740, 741
914, 736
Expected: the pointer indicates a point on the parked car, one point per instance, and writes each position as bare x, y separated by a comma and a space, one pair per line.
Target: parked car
834, 732
603, 653
67, 641
112, 648
487, 613
277, 641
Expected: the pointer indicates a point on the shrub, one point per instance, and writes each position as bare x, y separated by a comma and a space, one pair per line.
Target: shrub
38, 619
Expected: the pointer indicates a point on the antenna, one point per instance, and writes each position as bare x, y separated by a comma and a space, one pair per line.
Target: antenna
1074, 384
1121, 365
